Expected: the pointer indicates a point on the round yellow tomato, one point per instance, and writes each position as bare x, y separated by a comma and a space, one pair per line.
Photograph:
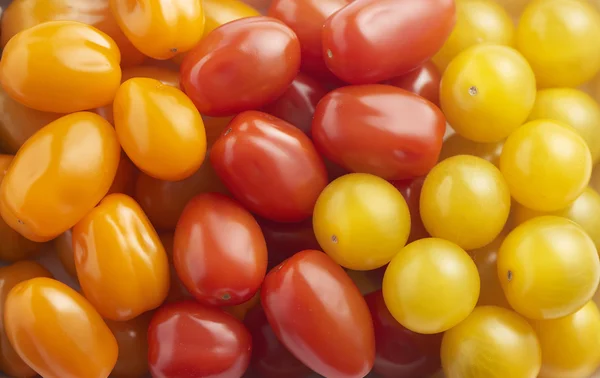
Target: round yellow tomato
458, 145
431, 286
486, 258
361, 221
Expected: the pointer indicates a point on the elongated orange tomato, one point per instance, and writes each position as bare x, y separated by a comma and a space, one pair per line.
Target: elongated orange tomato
61, 67
159, 28
159, 128
57, 332
121, 264
59, 175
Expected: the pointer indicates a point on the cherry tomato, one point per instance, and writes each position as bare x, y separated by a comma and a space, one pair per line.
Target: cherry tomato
377, 129
548, 268
285, 239
57, 332
492, 341
132, 339
487, 92
419, 273
356, 231
47, 51
63, 245
411, 191
80, 154
177, 291
11, 275
160, 29
220, 253
548, 157
334, 338
555, 36
24, 14
485, 258
424, 81
271, 167
189, 340
373, 40
458, 145
113, 244
222, 79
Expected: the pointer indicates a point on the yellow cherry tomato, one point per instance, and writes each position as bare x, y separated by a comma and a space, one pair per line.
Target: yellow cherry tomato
558, 37
573, 107
431, 286
546, 164
465, 200
455, 144
159, 128
59, 175
570, 345
160, 29
486, 258
487, 92
361, 221
61, 67
492, 342
548, 268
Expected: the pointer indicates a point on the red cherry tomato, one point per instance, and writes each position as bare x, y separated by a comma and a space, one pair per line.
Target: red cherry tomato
297, 105
318, 313
424, 81
286, 239
411, 191
401, 353
369, 41
379, 129
189, 340
223, 79
220, 253
270, 166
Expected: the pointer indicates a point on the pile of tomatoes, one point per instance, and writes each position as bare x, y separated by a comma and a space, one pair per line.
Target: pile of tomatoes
284, 188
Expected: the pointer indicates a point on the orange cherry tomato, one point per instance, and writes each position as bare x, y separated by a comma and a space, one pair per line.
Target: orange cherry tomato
132, 338
158, 28
124, 181
59, 175
39, 70
159, 128
10, 362
121, 264
177, 291
57, 332
24, 14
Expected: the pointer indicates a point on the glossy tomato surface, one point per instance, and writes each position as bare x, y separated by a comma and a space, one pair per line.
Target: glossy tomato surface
270, 166
379, 129
332, 337
373, 40
424, 81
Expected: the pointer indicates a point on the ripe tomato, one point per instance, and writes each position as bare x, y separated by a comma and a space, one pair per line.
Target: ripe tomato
47, 51
333, 338
271, 167
57, 332
486, 258
160, 29
411, 191
220, 253
373, 40
424, 81
222, 79
63, 245
455, 145
401, 353
379, 129
285, 239
132, 339
117, 231
81, 155
188, 340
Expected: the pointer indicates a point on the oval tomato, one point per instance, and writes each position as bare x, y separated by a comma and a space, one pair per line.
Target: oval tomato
379, 129
424, 81
270, 166
318, 313
223, 79
373, 40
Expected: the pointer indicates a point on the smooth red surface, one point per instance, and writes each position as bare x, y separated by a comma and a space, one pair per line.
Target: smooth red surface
370, 41
270, 166
411, 191
285, 239
424, 81
401, 353
318, 313
189, 340
379, 129
223, 79
220, 253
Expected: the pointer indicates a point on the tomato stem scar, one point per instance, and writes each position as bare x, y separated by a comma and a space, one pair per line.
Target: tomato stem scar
473, 91
510, 275
334, 239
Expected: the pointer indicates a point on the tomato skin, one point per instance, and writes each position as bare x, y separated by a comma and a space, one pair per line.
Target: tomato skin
178, 333
220, 253
81, 154
247, 157
379, 129
357, 39
222, 79
132, 339
423, 81
116, 231
285, 239
296, 296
